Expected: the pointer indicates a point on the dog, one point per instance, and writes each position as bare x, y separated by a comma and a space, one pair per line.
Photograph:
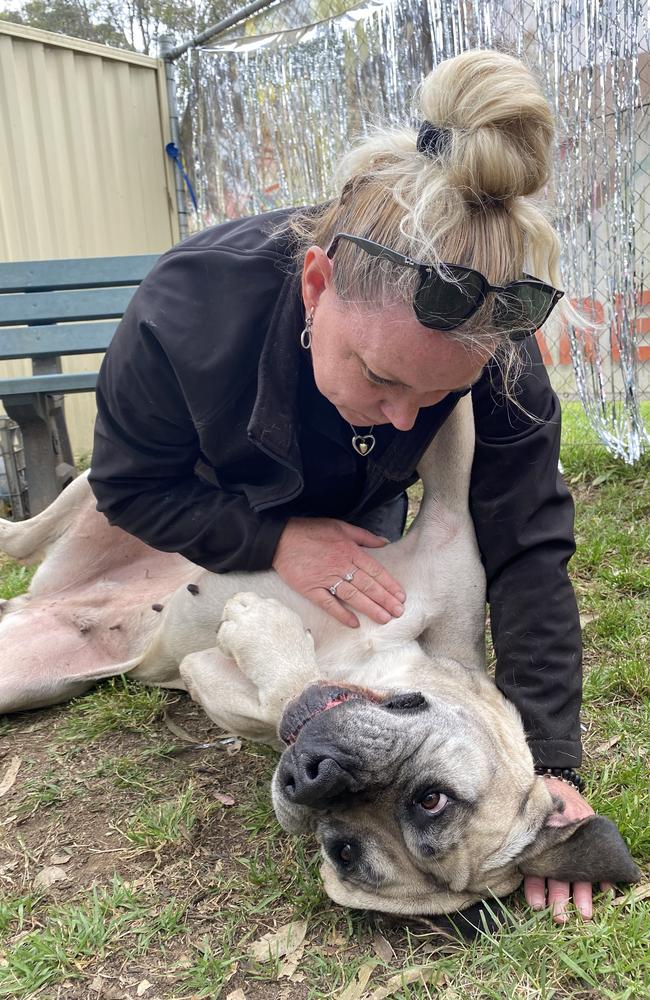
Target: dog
397, 750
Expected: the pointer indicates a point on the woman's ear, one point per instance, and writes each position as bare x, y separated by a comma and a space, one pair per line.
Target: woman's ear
316, 276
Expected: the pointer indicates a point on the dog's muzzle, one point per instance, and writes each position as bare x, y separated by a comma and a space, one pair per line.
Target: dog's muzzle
314, 771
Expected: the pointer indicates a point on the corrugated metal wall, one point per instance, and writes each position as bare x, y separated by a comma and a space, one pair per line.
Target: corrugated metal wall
83, 171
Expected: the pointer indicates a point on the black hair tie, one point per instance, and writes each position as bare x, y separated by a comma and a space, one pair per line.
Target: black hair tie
432, 140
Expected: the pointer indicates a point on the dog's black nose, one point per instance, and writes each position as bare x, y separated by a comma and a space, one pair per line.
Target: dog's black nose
310, 778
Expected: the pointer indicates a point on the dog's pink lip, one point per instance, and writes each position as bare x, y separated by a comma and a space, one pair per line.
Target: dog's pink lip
345, 696
338, 696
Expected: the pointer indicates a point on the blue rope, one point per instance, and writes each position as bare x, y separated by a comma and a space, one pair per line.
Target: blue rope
174, 154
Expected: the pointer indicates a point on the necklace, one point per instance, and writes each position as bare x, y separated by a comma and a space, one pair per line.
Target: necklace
363, 443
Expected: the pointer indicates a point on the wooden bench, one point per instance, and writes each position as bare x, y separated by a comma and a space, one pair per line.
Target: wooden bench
50, 309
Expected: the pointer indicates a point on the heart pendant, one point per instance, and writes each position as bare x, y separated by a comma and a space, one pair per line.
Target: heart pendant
363, 443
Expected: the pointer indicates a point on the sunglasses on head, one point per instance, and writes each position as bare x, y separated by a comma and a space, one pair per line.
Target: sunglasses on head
441, 304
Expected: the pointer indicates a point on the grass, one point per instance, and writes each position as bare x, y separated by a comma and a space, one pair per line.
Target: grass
161, 824
168, 884
119, 704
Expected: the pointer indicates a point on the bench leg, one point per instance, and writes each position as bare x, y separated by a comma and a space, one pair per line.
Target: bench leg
46, 467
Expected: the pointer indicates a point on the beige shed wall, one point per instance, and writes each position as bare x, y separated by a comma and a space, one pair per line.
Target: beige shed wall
83, 171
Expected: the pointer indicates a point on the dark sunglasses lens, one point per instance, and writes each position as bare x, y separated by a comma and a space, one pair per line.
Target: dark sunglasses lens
523, 308
443, 304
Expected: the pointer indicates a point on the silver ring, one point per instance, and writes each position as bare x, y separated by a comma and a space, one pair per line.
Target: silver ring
348, 578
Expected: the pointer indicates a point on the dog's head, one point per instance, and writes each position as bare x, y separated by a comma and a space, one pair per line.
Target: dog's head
422, 804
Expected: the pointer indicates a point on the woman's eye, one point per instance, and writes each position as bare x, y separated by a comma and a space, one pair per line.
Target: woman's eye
377, 379
434, 802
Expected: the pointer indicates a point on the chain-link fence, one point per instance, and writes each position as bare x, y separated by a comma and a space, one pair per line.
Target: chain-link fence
273, 103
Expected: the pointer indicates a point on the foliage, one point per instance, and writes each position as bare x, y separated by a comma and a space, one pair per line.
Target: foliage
137, 25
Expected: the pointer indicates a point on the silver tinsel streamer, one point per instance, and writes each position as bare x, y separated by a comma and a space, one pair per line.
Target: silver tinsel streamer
273, 106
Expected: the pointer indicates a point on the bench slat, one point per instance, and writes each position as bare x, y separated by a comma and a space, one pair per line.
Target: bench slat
89, 272
65, 382
38, 341
52, 307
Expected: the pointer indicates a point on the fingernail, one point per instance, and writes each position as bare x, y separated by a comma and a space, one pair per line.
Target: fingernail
400, 596
399, 610
537, 906
384, 617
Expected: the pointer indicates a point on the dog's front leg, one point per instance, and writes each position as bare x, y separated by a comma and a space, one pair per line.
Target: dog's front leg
226, 695
271, 647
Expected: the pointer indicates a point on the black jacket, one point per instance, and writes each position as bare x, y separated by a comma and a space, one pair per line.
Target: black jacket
206, 410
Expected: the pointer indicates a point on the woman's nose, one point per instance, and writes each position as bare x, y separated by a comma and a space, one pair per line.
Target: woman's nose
402, 415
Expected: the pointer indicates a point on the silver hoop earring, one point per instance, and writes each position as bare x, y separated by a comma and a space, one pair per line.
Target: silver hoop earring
305, 336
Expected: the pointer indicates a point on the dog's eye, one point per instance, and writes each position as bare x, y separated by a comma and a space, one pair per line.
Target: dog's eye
345, 854
342, 853
434, 802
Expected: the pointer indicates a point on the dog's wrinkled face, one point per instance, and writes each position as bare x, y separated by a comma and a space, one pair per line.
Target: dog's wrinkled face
413, 801
420, 804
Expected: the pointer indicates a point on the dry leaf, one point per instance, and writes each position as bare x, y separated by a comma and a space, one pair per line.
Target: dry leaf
60, 858
225, 800
290, 964
10, 775
277, 944
177, 730
356, 986
143, 987
97, 984
382, 948
641, 891
586, 617
608, 746
48, 876
420, 974
236, 995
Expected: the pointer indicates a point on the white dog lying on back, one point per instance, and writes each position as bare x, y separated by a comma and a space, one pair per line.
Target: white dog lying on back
399, 753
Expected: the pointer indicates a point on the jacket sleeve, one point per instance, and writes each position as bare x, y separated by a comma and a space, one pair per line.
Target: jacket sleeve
523, 514
143, 466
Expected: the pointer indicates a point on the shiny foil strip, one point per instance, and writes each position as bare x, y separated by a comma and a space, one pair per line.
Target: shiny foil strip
271, 107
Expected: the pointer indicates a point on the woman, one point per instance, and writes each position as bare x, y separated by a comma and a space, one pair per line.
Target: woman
276, 379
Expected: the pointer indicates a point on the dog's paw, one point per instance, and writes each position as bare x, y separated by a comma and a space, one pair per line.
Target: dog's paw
261, 628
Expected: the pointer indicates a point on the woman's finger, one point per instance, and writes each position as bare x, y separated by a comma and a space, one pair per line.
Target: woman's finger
559, 894
370, 598
583, 898
361, 536
379, 574
535, 891
332, 606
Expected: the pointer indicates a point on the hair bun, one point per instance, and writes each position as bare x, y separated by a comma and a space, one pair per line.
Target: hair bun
500, 124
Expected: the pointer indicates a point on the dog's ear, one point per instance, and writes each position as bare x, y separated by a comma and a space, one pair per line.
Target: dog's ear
589, 850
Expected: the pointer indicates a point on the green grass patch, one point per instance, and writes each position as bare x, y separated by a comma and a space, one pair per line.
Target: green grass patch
119, 704
73, 936
14, 579
163, 824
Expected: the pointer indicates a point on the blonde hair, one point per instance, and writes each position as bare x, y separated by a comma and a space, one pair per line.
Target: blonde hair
469, 204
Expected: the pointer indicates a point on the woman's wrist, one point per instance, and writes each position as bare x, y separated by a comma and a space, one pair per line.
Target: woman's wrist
567, 774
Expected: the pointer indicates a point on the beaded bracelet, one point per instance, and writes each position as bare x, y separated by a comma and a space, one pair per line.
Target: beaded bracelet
563, 773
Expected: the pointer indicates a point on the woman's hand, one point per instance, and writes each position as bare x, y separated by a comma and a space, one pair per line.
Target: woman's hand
540, 892
314, 553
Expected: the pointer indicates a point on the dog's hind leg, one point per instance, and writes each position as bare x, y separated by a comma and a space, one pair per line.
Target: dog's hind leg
27, 541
